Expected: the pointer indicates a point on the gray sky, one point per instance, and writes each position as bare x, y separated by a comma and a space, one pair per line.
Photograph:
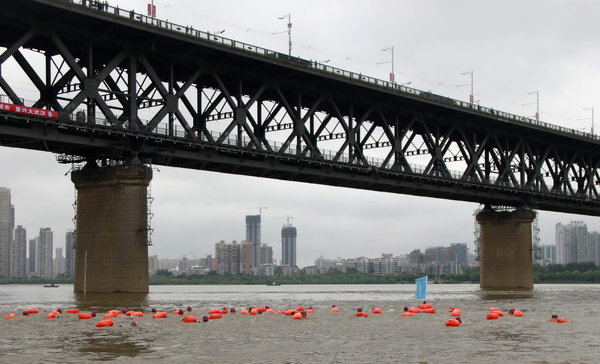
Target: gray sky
513, 47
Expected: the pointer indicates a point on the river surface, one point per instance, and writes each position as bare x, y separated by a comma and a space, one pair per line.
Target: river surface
325, 337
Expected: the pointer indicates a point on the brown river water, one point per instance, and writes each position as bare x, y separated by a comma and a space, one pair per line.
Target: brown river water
325, 337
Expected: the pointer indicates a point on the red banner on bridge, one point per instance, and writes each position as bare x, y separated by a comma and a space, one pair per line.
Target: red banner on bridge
28, 110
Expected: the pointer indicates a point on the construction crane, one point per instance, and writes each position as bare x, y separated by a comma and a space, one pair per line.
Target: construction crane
260, 208
284, 217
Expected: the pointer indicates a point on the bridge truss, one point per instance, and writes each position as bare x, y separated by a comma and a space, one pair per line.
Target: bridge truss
124, 85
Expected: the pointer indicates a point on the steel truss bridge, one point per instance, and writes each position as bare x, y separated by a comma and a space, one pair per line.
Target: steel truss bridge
122, 85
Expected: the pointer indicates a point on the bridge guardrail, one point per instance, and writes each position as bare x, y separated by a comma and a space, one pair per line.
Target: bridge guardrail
105, 7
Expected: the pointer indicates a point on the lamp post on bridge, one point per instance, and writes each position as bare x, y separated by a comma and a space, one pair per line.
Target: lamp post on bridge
592, 109
289, 31
472, 95
392, 75
537, 103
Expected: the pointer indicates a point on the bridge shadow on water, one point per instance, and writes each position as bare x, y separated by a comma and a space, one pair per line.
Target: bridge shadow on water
493, 295
111, 301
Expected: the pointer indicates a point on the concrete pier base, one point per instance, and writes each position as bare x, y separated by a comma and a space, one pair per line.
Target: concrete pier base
505, 249
111, 251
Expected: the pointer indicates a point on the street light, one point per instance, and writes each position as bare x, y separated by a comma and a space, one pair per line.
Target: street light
592, 109
472, 95
391, 49
289, 31
537, 103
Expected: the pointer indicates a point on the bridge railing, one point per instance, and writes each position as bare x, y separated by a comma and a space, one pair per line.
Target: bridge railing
105, 7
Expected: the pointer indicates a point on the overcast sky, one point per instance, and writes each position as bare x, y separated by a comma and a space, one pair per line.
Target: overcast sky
513, 47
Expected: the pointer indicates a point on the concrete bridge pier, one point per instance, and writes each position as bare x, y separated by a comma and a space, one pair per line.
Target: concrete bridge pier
111, 236
505, 249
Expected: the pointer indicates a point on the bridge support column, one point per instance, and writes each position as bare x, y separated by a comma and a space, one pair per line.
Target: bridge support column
111, 253
505, 249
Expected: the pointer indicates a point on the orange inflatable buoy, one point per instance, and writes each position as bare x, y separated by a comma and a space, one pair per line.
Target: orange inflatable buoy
179, 311
215, 316
414, 310
103, 323
455, 312
223, 311
85, 316
32, 310
406, 314
10, 315
297, 316
137, 313
243, 311
492, 316
499, 313
189, 319
213, 311
300, 308
562, 320
269, 310
310, 310
425, 305
429, 310
492, 309
51, 315
72, 310
335, 309
376, 310
110, 315
362, 314
518, 313
452, 322
162, 314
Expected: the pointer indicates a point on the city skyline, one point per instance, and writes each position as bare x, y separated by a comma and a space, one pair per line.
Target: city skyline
194, 209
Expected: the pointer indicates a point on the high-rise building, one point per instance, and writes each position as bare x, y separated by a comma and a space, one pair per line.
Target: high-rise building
228, 257
153, 264
70, 253
19, 253
59, 262
265, 253
6, 229
32, 262
246, 257
572, 243
459, 252
288, 245
45, 253
253, 235
547, 254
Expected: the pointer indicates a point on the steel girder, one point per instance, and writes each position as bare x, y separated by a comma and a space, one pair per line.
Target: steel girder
130, 89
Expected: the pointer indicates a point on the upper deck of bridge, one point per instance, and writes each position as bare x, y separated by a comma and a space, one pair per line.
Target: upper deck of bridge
96, 14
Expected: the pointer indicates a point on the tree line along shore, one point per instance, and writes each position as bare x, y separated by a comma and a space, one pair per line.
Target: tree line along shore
552, 273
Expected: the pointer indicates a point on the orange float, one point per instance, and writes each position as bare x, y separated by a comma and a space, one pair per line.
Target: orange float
300, 308
216, 310
297, 316
189, 319
406, 314
455, 312
562, 320
429, 310
414, 310
376, 310
499, 313
10, 315
162, 314
269, 310
362, 314
517, 313
72, 310
178, 312
85, 316
452, 322
425, 305
32, 310
223, 311
215, 316
310, 310
243, 311
109, 315
335, 309
103, 323
51, 315
492, 316
137, 313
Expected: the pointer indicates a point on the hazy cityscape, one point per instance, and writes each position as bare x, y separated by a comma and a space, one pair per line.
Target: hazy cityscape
37, 256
